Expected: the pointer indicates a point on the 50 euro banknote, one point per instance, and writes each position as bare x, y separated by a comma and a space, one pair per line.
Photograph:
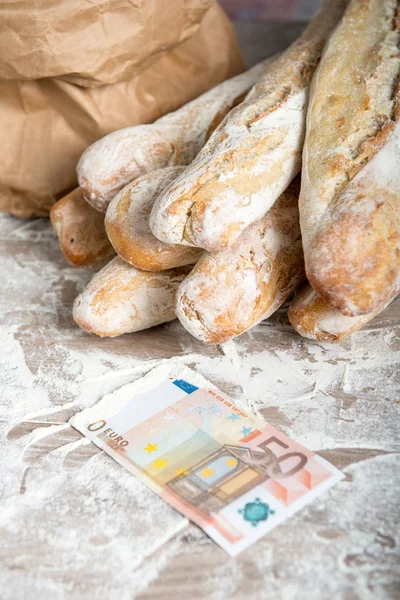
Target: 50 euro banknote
231, 473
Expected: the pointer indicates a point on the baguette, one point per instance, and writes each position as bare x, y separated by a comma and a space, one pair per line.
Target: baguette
122, 299
252, 156
120, 157
232, 290
314, 319
350, 196
127, 225
80, 230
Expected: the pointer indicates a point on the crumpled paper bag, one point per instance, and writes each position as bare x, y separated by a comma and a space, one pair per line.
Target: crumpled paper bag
91, 43
46, 124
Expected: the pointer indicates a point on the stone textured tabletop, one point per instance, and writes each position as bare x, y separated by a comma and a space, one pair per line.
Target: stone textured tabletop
74, 524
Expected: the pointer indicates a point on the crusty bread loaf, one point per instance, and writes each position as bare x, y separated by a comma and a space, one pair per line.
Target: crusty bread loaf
350, 196
122, 299
127, 225
232, 290
313, 318
120, 157
252, 156
80, 230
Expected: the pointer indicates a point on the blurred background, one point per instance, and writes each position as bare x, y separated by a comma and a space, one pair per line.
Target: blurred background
270, 10
265, 27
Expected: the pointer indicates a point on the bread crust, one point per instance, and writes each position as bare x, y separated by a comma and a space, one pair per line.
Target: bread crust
350, 196
127, 225
314, 319
252, 156
80, 230
120, 157
122, 299
232, 290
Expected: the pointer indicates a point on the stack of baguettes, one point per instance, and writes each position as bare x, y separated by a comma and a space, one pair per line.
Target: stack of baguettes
216, 185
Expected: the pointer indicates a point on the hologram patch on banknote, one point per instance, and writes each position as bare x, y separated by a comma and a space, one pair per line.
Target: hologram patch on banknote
231, 473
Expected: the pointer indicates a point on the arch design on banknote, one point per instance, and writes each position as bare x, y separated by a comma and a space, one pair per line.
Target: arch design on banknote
228, 473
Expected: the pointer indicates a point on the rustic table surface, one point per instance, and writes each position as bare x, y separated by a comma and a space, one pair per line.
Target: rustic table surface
74, 524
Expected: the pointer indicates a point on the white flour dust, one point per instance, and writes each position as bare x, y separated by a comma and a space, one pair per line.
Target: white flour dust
74, 524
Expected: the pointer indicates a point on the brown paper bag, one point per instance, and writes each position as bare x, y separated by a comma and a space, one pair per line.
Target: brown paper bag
45, 125
91, 43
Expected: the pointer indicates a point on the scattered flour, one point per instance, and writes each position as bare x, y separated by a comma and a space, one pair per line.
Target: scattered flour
73, 524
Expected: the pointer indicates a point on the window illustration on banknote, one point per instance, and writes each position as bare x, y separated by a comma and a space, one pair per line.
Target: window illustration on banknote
231, 473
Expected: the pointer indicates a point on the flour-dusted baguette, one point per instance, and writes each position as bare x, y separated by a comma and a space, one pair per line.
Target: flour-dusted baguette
252, 156
231, 290
80, 230
127, 225
120, 157
122, 299
350, 196
313, 318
